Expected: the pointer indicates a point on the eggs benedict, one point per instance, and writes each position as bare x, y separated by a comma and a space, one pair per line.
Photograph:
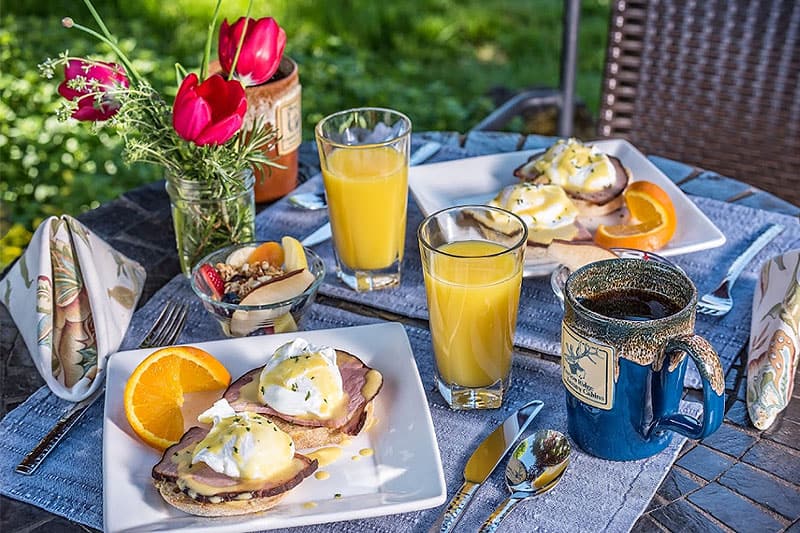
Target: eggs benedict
546, 210
316, 394
592, 179
244, 463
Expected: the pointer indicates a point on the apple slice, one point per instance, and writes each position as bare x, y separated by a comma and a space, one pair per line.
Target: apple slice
239, 256
574, 255
276, 290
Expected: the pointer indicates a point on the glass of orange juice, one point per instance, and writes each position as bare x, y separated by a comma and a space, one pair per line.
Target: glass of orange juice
472, 260
363, 154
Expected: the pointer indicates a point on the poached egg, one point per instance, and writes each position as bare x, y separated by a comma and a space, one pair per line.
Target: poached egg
546, 210
302, 380
242, 445
576, 167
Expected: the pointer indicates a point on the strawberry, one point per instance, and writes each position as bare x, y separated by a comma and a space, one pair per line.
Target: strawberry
213, 280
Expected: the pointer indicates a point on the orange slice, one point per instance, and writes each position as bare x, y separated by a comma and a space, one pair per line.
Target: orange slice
653, 224
269, 251
154, 392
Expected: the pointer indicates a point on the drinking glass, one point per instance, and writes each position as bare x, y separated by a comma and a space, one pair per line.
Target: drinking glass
472, 261
364, 159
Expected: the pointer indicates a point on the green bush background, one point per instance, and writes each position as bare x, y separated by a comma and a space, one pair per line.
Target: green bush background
436, 60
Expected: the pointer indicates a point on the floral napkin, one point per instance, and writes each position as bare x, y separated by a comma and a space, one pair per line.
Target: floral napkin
72, 297
774, 339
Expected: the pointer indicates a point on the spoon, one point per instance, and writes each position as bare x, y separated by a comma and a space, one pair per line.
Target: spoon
309, 200
535, 467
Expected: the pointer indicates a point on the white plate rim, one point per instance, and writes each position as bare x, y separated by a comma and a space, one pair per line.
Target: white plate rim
394, 345
425, 180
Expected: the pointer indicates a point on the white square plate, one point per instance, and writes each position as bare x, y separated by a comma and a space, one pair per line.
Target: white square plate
477, 180
404, 474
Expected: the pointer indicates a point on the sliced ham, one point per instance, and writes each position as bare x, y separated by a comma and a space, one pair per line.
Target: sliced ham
228, 488
354, 377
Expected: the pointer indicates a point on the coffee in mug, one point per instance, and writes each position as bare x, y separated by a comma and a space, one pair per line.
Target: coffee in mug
627, 331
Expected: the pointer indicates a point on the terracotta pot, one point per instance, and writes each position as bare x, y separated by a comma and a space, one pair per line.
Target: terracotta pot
278, 102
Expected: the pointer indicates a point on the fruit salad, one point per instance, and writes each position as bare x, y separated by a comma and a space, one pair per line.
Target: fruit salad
258, 288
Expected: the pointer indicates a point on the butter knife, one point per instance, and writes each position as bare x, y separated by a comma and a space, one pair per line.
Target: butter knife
31, 462
484, 460
323, 233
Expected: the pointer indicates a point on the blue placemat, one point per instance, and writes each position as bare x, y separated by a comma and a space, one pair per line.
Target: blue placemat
594, 494
539, 318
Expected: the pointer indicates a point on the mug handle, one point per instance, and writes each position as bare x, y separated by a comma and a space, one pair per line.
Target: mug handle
710, 369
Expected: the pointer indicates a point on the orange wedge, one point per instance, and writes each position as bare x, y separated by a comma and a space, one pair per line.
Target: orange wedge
154, 392
269, 251
653, 224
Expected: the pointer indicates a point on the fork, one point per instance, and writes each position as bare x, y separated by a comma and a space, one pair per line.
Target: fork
167, 327
718, 302
165, 330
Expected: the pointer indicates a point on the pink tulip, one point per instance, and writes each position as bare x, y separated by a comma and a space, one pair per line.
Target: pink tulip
210, 112
261, 53
88, 83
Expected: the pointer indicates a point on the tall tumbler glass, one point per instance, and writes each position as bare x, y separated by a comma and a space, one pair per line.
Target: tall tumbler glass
472, 260
364, 158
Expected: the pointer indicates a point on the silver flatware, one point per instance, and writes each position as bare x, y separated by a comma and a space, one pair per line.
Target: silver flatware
483, 461
323, 233
424, 152
535, 467
719, 302
310, 201
165, 330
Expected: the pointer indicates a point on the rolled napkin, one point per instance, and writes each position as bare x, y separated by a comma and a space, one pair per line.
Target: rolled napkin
72, 297
774, 339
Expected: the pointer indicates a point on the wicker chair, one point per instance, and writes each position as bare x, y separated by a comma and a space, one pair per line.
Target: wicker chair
712, 83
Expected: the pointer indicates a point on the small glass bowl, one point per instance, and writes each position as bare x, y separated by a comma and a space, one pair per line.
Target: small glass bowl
559, 276
237, 320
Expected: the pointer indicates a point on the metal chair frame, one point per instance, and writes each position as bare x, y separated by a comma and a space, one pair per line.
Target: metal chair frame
563, 97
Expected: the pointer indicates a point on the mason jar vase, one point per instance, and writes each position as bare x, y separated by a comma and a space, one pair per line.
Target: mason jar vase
208, 215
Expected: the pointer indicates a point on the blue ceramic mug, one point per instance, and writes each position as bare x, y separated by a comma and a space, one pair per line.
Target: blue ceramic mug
628, 328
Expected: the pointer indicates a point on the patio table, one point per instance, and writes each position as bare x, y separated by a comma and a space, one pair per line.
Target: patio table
737, 479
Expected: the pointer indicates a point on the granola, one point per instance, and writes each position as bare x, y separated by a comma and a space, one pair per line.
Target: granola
241, 280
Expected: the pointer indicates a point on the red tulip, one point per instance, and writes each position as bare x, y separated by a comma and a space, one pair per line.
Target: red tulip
261, 53
88, 83
208, 113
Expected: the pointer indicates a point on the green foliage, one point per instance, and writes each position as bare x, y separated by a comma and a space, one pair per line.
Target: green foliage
435, 60
50, 167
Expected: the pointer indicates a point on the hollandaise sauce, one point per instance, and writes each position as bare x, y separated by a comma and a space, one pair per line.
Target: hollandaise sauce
546, 210
246, 446
326, 456
576, 167
473, 311
302, 381
372, 384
